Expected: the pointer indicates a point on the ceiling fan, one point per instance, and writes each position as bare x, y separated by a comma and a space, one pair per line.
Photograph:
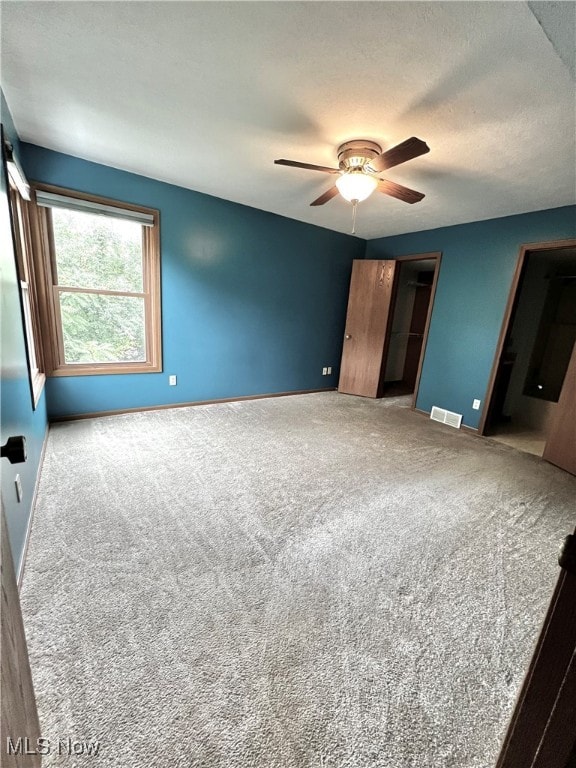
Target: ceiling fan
359, 161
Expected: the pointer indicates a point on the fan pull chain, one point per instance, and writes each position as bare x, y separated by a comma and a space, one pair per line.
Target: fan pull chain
354, 207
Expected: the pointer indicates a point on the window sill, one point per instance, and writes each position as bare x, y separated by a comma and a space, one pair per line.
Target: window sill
106, 369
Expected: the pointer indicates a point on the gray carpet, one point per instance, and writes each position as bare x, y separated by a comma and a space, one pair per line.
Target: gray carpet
317, 581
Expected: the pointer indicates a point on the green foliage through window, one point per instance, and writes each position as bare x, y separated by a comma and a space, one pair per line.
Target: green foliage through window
99, 253
99, 328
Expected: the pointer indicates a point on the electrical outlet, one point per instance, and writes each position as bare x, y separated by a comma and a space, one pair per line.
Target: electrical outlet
324, 371
329, 369
172, 381
476, 405
18, 484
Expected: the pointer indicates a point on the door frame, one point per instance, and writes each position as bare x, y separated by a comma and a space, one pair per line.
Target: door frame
19, 714
525, 249
435, 256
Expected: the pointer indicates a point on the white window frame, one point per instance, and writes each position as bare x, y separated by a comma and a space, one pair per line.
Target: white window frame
23, 245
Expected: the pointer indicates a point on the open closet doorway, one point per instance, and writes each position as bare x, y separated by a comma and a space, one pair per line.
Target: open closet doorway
389, 309
535, 348
410, 311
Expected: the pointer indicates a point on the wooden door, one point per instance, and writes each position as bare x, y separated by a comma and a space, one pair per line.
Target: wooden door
560, 446
542, 731
20, 728
368, 324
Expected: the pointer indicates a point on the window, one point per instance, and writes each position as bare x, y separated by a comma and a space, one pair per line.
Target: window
20, 215
101, 267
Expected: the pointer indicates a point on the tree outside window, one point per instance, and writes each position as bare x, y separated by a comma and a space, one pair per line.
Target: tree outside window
101, 267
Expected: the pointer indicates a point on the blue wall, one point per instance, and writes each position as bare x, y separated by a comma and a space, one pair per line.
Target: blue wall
17, 416
478, 262
252, 303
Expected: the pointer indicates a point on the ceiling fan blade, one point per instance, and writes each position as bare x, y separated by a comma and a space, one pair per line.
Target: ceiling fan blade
296, 164
397, 190
401, 153
328, 195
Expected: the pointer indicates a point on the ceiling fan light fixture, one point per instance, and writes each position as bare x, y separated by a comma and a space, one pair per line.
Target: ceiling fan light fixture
356, 185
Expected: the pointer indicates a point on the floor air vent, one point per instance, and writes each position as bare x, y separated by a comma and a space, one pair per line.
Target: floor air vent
446, 417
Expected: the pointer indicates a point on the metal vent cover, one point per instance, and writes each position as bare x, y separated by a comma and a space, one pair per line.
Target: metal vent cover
446, 417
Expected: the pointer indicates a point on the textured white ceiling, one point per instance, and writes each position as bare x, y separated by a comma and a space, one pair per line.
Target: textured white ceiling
207, 94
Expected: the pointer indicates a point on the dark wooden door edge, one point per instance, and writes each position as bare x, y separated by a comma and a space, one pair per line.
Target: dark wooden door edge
560, 736
546, 706
19, 715
524, 250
